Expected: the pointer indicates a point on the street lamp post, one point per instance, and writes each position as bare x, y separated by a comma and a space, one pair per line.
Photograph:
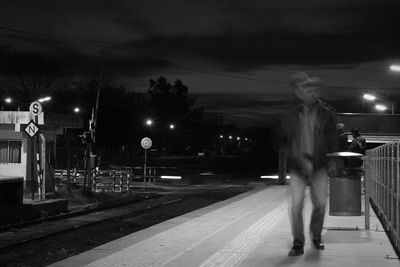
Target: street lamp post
379, 107
395, 68
367, 97
9, 101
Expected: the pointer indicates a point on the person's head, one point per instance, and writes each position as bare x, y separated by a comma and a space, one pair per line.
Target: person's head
305, 88
340, 127
355, 132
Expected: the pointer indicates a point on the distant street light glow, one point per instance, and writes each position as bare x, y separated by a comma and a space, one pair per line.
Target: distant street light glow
76, 110
238, 138
273, 177
221, 136
380, 107
369, 97
149, 122
44, 99
230, 137
8, 100
395, 67
344, 154
172, 126
173, 177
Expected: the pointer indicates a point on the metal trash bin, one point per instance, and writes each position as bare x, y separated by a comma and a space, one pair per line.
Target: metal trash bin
345, 187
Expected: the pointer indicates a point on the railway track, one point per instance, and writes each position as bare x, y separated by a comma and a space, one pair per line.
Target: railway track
28, 232
17, 235
48, 242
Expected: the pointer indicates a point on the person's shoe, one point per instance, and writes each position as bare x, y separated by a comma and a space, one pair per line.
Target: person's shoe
318, 244
296, 251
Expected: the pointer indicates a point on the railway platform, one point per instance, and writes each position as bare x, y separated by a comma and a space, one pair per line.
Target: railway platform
251, 229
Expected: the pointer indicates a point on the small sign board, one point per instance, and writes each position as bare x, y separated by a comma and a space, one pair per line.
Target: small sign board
35, 108
146, 143
32, 129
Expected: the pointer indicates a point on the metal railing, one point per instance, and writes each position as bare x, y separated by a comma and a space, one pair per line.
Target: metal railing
382, 171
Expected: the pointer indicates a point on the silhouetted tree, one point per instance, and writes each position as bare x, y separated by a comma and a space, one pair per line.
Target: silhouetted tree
171, 103
27, 77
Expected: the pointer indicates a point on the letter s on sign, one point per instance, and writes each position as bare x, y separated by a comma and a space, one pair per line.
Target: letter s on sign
35, 108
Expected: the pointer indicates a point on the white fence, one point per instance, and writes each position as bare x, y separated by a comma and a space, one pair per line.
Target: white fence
116, 180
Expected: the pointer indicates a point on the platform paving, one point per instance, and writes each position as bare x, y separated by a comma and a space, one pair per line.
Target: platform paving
251, 229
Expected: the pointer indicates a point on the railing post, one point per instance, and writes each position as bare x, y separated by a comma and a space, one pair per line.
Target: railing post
383, 187
392, 177
397, 193
113, 176
367, 180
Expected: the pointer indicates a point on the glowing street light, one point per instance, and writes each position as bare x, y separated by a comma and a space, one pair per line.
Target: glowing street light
380, 107
44, 99
77, 109
395, 67
10, 101
149, 122
221, 136
238, 138
230, 137
369, 97
172, 126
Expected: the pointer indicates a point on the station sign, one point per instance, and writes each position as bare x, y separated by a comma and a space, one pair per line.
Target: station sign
35, 108
32, 129
146, 143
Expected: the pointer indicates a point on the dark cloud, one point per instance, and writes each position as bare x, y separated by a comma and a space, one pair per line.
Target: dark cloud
244, 52
270, 29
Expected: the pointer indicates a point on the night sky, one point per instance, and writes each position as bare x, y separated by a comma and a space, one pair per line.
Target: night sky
235, 56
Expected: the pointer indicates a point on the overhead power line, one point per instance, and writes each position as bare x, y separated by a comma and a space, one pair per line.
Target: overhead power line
96, 46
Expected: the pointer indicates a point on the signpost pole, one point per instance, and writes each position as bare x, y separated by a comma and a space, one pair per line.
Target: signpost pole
32, 130
144, 168
146, 144
32, 143
35, 159
38, 160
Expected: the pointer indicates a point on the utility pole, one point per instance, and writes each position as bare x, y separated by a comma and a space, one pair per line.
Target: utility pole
91, 146
96, 112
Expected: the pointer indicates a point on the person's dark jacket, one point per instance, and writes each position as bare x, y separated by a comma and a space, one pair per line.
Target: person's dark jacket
358, 145
325, 137
343, 144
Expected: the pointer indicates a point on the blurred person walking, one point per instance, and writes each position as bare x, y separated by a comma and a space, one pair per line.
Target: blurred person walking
309, 134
